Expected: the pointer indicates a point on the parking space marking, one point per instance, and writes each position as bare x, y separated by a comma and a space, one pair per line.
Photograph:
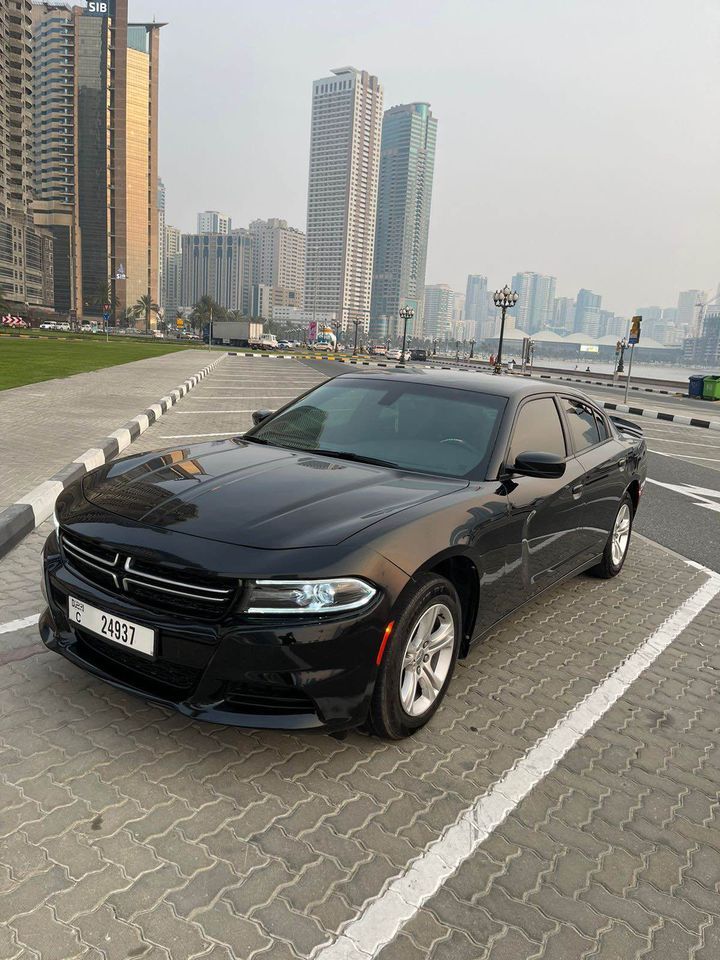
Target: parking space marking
687, 443
683, 456
19, 624
190, 436
381, 921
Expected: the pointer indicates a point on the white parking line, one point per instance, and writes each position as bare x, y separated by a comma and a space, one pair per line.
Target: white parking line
382, 920
189, 436
687, 443
683, 456
204, 413
19, 624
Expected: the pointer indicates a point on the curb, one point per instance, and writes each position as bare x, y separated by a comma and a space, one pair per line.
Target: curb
661, 415
21, 517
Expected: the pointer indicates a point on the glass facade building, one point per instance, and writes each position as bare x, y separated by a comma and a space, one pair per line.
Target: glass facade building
407, 164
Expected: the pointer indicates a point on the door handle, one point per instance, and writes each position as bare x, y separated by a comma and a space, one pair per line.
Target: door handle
576, 490
621, 464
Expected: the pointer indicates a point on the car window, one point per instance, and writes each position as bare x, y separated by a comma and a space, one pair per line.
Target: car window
602, 427
537, 428
417, 426
581, 422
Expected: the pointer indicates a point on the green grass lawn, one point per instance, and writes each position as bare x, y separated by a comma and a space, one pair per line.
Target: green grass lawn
32, 360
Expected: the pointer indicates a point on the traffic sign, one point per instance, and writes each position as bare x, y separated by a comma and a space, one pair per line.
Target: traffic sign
179, 322
635, 331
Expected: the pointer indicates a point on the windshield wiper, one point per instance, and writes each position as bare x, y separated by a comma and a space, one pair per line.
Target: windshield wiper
356, 458
247, 439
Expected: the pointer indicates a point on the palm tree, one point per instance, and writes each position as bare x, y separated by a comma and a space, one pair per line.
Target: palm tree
103, 295
206, 308
145, 305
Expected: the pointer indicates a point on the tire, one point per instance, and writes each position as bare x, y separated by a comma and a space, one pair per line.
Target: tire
398, 707
614, 554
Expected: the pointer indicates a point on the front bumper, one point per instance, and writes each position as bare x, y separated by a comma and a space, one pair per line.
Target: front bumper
289, 674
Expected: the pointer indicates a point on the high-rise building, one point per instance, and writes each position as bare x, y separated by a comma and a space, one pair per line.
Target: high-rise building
407, 163
161, 243
116, 125
172, 272
587, 312
688, 312
26, 250
536, 301
438, 311
55, 37
219, 266
342, 194
211, 221
563, 320
278, 264
476, 306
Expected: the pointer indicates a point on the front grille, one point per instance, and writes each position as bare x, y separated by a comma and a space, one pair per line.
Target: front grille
149, 675
152, 585
262, 698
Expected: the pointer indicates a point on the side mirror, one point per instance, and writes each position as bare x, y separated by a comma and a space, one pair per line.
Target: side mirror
259, 415
533, 463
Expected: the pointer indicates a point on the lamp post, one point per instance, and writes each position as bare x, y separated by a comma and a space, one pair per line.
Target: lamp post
434, 345
357, 324
406, 313
620, 349
472, 349
505, 299
336, 324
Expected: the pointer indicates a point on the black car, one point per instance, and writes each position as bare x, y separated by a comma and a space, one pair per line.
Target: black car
418, 356
329, 566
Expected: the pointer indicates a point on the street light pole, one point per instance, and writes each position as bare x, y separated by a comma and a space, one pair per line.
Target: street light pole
505, 299
357, 324
406, 313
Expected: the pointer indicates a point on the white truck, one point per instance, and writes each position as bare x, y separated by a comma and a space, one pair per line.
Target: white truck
237, 333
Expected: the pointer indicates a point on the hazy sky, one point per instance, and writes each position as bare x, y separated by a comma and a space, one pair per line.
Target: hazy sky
577, 138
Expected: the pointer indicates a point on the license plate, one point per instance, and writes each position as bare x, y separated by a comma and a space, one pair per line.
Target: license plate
124, 633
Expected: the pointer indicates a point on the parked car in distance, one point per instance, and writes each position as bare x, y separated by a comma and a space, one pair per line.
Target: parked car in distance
393, 354
284, 345
329, 566
418, 355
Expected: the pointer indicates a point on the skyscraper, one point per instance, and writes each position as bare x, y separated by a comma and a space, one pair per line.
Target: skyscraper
407, 163
563, 320
536, 301
211, 221
687, 310
172, 272
279, 262
476, 306
438, 311
342, 194
219, 266
26, 251
161, 243
117, 73
587, 312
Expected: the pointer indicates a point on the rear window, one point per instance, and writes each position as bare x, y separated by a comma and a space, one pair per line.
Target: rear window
582, 423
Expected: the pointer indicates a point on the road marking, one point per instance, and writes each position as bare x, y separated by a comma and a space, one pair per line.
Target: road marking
683, 456
688, 443
698, 494
266, 396
382, 920
19, 624
204, 413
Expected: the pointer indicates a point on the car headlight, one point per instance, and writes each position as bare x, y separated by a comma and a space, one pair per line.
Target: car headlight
310, 596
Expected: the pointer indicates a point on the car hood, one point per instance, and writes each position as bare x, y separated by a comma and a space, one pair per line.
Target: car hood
256, 496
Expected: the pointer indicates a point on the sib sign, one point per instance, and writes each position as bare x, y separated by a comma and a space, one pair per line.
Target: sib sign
100, 8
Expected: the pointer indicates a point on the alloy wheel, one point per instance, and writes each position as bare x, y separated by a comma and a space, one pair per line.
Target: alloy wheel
620, 534
427, 659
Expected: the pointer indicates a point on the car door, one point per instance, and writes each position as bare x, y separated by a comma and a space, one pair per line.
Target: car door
545, 514
604, 461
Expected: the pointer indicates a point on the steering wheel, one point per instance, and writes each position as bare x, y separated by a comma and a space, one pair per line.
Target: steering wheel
463, 443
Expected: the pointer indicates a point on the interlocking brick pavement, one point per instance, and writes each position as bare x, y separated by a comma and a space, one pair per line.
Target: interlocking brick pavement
130, 831
46, 425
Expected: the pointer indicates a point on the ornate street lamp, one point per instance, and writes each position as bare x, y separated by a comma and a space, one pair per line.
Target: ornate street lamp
472, 349
406, 313
505, 299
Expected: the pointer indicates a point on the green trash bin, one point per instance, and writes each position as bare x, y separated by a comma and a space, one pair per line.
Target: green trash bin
711, 388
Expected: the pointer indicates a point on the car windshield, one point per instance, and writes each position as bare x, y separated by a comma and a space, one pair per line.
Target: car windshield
414, 426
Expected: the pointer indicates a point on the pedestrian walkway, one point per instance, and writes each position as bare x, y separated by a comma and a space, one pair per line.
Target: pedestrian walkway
46, 425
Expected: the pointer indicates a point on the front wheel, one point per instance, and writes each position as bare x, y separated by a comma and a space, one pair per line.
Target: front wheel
419, 662
618, 542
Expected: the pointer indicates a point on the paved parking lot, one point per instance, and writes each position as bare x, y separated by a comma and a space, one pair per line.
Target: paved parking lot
584, 810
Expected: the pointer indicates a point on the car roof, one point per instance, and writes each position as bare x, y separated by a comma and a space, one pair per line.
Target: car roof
479, 381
